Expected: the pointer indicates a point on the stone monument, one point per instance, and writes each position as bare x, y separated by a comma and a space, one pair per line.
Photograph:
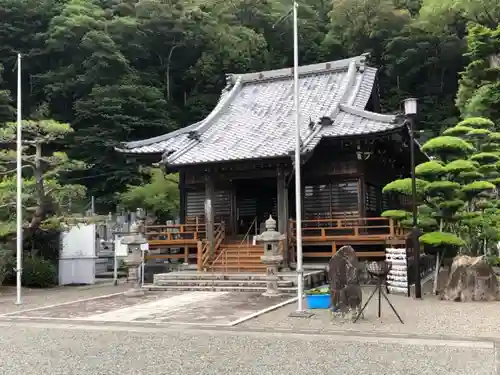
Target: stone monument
343, 275
272, 257
471, 279
134, 258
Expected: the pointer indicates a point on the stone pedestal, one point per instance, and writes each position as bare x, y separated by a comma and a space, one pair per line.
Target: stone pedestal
272, 262
132, 262
134, 259
272, 257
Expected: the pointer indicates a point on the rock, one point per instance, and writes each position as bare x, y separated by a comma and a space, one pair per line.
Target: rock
343, 276
471, 279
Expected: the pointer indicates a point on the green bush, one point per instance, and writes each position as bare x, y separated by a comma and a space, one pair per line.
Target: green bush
6, 262
38, 272
494, 260
316, 291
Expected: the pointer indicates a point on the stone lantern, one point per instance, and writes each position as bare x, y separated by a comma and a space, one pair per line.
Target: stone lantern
134, 241
272, 257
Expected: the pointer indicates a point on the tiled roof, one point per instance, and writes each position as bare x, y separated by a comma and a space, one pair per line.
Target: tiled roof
163, 143
254, 117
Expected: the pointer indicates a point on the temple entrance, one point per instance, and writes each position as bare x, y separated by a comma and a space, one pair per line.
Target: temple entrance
255, 200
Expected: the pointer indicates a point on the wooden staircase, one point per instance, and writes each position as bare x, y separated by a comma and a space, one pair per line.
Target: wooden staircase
235, 256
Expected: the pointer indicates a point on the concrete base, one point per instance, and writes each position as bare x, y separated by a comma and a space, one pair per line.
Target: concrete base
271, 293
134, 292
243, 282
301, 314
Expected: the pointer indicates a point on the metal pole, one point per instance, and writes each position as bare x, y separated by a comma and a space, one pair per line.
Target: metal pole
115, 260
415, 231
298, 194
92, 205
143, 266
19, 203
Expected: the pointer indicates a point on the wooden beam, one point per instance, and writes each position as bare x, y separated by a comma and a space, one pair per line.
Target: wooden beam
282, 200
182, 196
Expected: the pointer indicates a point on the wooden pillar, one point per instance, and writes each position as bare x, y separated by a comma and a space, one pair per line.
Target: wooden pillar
182, 197
209, 210
282, 200
361, 197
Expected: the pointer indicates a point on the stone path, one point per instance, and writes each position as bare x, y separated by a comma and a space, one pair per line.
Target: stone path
212, 308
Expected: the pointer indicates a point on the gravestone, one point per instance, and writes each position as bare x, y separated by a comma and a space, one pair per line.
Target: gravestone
343, 275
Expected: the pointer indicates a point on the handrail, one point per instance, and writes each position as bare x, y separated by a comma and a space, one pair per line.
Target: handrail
223, 253
247, 237
218, 238
247, 234
203, 251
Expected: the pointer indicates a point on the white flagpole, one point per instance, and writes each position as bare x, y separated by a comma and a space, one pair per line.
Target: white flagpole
19, 206
298, 193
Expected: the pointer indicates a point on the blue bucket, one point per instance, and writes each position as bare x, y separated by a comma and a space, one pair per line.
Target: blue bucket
318, 301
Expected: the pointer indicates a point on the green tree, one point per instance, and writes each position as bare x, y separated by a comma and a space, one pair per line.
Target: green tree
479, 91
43, 194
456, 190
158, 196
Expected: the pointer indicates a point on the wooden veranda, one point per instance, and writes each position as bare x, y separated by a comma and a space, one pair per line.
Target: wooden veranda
188, 242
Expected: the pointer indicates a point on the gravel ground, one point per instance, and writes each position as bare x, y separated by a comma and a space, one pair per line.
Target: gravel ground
66, 350
428, 316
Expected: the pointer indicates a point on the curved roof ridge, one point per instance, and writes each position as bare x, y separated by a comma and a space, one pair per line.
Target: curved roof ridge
303, 70
367, 114
205, 123
160, 138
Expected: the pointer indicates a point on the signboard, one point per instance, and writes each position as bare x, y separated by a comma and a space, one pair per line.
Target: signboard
121, 250
79, 242
145, 246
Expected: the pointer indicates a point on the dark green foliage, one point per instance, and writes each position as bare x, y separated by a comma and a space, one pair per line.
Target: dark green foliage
128, 69
38, 272
479, 93
6, 264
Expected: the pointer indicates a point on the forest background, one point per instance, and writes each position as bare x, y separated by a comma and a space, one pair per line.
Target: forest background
122, 70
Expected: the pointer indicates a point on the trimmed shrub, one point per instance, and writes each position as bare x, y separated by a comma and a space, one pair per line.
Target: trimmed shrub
38, 272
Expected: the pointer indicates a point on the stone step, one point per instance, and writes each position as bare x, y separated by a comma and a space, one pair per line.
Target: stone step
291, 290
241, 260
237, 267
224, 283
213, 276
243, 249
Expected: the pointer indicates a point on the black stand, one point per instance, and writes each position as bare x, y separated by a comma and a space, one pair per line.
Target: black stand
381, 293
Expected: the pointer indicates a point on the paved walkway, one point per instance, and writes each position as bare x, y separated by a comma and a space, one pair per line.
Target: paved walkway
205, 308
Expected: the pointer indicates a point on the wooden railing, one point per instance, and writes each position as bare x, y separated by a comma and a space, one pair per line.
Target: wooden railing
348, 228
204, 254
167, 236
158, 234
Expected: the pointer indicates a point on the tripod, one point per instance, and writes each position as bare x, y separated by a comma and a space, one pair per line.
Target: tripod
380, 273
